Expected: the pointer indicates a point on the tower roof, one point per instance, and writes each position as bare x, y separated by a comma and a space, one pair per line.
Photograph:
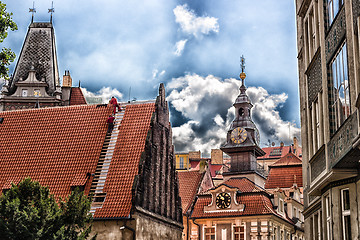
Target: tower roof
39, 53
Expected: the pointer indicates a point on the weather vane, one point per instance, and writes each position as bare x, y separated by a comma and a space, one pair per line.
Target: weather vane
51, 10
32, 10
242, 65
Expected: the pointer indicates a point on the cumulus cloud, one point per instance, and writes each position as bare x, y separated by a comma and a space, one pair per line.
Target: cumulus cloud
102, 96
206, 104
193, 25
180, 45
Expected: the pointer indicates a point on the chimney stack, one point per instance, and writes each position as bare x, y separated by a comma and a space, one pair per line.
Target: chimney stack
216, 156
67, 81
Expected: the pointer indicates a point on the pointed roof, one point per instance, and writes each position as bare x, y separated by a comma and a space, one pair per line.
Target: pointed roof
189, 184
60, 148
285, 172
38, 52
77, 96
288, 159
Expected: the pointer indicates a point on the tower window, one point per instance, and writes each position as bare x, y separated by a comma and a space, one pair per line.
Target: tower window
241, 112
24, 93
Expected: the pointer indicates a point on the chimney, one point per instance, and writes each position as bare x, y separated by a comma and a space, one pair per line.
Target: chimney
67, 81
195, 154
216, 156
296, 146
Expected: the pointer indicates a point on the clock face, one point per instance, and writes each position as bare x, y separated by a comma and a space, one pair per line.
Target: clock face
223, 200
238, 135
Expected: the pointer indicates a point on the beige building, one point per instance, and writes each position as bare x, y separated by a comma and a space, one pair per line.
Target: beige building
328, 58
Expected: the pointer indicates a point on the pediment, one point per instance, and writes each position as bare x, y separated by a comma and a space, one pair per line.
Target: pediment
224, 200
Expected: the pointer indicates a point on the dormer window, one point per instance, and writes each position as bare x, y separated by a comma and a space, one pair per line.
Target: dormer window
24, 93
281, 205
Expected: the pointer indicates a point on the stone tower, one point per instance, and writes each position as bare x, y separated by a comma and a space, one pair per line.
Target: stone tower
35, 81
243, 139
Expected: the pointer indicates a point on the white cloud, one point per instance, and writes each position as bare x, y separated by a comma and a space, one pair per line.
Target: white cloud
207, 102
191, 24
102, 96
180, 45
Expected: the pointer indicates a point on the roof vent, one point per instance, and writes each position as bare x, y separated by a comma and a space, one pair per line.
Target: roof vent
1, 120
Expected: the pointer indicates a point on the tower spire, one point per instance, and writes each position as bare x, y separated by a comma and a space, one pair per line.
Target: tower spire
242, 74
51, 10
32, 10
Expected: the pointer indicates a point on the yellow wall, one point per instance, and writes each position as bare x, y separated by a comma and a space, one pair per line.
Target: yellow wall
185, 158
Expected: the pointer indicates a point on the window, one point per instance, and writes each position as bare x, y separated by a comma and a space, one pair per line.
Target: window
239, 233
281, 205
181, 163
37, 93
24, 93
333, 7
294, 212
209, 233
345, 212
340, 106
328, 217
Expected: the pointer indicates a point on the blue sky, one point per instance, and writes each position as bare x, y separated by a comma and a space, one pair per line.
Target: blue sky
192, 46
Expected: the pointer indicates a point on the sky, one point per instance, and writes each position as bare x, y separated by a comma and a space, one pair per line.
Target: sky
127, 48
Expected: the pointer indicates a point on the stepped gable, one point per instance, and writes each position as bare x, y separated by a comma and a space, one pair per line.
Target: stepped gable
77, 97
59, 147
285, 172
38, 52
189, 183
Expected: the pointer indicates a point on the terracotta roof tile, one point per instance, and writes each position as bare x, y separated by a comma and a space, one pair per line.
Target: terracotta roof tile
284, 177
124, 165
51, 145
243, 184
188, 187
59, 146
288, 159
77, 97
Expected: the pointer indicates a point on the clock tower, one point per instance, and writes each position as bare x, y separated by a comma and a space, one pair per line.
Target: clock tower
243, 138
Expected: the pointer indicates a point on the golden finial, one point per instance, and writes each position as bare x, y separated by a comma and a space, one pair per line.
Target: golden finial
242, 65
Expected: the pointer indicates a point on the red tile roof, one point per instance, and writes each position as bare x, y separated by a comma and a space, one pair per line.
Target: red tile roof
59, 146
285, 172
256, 203
243, 184
124, 165
288, 159
277, 152
77, 97
189, 183
51, 145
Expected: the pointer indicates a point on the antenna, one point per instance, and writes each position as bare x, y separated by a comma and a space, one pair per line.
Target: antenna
32, 10
129, 94
51, 10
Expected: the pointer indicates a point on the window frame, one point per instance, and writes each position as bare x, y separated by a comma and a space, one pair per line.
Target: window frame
345, 213
339, 74
328, 217
239, 232
333, 7
211, 233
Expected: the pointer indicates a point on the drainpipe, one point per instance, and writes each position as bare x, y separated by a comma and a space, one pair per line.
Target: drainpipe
187, 226
129, 228
199, 235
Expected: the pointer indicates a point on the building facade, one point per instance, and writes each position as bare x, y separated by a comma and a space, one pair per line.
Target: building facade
329, 81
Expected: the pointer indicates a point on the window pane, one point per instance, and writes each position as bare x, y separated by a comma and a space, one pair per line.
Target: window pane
346, 199
347, 228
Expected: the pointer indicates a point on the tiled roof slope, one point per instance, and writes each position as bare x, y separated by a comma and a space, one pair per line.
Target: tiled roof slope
124, 165
288, 159
284, 177
188, 187
55, 146
277, 152
77, 96
285, 172
243, 184
255, 204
